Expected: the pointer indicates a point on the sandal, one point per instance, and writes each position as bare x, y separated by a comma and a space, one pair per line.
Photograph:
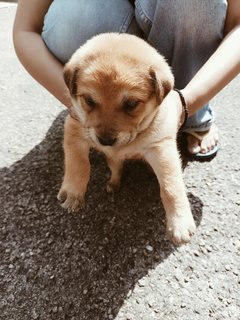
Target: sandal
200, 136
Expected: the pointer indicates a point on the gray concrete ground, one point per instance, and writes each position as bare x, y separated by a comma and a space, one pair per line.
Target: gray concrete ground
111, 261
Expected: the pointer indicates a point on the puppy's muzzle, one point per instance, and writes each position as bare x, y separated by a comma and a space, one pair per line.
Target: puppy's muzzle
106, 140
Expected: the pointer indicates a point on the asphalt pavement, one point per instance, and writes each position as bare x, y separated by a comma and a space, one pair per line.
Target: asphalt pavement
112, 260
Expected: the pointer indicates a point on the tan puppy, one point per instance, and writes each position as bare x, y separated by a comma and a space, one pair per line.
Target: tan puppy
117, 83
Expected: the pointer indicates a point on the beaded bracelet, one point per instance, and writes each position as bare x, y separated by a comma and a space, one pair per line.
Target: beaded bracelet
184, 106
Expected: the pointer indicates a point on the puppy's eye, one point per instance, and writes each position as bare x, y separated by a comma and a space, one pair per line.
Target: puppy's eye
129, 105
89, 101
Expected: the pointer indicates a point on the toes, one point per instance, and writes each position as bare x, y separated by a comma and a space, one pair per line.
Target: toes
72, 202
203, 142
193, 145
181, 230
204, 146
208, 144
62, 196
179, 238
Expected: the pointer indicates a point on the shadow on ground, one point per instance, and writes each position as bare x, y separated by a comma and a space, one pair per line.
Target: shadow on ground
64, 266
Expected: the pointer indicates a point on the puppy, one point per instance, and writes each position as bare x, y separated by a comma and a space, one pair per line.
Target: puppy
117, 83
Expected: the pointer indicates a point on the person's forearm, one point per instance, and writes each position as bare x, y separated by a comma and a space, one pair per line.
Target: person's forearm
217, 72
41, 64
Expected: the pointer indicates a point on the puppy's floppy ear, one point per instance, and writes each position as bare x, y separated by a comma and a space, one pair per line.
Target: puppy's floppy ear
70, 75
162, 83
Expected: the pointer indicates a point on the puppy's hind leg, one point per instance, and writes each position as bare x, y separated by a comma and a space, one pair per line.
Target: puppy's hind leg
77, 167
116, 167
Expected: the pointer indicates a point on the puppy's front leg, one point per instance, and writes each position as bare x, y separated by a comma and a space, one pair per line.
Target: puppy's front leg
164, 160
115, 166
77, 167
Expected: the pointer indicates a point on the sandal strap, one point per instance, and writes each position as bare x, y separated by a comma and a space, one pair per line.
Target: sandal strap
200, 135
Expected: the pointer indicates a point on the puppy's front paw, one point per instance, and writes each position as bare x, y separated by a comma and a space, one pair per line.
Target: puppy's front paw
180, 228
71, 199
113, 186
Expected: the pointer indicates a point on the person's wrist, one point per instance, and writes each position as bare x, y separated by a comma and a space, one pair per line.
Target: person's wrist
187, 95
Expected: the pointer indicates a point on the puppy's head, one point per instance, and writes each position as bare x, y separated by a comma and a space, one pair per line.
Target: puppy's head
117, 83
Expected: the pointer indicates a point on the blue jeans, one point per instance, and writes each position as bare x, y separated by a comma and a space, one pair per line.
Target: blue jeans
186, 32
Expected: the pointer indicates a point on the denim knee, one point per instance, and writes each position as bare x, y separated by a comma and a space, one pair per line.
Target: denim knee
144, 12
185, 32
68, 24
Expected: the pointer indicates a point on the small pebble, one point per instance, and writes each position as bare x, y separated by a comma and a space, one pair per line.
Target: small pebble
149, 248
129, 293
142, 282
55, 309
196, 253
35, 315
236, 272
209, 249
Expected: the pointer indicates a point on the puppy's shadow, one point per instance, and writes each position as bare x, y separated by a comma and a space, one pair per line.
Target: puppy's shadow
83, 265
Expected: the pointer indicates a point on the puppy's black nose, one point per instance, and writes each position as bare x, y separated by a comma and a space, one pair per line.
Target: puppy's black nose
107, 141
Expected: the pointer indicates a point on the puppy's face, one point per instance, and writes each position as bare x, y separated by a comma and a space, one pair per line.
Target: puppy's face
115, 98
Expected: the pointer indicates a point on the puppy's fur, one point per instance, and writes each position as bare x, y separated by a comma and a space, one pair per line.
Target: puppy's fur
117, 83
